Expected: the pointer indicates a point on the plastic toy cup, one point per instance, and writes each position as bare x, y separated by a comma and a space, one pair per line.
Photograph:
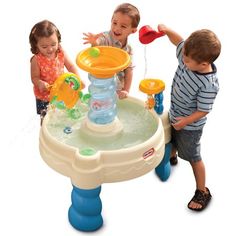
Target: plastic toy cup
147, 34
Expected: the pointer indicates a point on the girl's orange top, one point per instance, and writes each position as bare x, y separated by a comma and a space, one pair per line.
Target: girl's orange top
50, 70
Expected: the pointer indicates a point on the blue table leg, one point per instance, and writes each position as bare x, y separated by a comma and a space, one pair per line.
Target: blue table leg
159, 103
163, 169
85, 212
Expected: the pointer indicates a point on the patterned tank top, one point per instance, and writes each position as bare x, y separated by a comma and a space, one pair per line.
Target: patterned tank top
50, 70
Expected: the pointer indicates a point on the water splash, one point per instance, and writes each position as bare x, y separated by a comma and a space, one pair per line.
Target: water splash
145, 61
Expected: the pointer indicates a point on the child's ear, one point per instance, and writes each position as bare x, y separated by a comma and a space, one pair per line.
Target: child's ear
134, 30
205, 63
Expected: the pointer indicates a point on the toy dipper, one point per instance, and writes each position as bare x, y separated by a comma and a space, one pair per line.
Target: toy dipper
147, 34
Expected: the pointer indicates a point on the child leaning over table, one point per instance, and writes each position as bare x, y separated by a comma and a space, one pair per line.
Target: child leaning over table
124, 22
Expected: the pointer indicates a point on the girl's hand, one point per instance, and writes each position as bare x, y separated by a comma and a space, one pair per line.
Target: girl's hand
43, 86
91, 38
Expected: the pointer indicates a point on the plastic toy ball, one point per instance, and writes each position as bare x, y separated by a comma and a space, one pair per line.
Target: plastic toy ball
94, 52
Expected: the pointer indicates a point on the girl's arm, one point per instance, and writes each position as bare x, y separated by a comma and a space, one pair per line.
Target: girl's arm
35, 76
174, 37
71, 67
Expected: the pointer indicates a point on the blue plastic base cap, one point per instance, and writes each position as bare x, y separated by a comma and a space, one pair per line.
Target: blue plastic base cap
85, 211
84, 223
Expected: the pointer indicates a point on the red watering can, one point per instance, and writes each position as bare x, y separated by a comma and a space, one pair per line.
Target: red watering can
147, 34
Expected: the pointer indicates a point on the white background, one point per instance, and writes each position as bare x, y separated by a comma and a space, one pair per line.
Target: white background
34, 199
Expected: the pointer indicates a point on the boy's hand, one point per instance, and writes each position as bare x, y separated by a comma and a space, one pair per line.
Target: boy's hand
162, 28
180, 123
91, 38
122, 94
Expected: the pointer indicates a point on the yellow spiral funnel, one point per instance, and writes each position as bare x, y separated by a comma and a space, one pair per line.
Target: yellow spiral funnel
103, 63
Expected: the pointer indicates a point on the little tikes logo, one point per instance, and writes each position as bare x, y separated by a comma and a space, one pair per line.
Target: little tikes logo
148, 153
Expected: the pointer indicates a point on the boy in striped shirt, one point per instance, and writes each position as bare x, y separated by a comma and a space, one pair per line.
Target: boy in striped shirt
124, 22
194, 89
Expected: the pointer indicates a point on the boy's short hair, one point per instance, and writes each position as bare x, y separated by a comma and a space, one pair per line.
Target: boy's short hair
131, 11
202, 46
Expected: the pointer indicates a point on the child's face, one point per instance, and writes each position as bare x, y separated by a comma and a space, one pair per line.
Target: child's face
194, 65
48, 46
121, 27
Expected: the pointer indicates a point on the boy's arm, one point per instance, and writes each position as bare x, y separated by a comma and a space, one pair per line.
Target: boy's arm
127, 83
181, 122
128, 79
174, 37
71, 67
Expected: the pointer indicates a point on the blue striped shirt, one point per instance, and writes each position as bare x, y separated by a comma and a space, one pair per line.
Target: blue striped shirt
192, 91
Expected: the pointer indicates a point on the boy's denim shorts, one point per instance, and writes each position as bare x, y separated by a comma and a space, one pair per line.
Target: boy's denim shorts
187, 143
